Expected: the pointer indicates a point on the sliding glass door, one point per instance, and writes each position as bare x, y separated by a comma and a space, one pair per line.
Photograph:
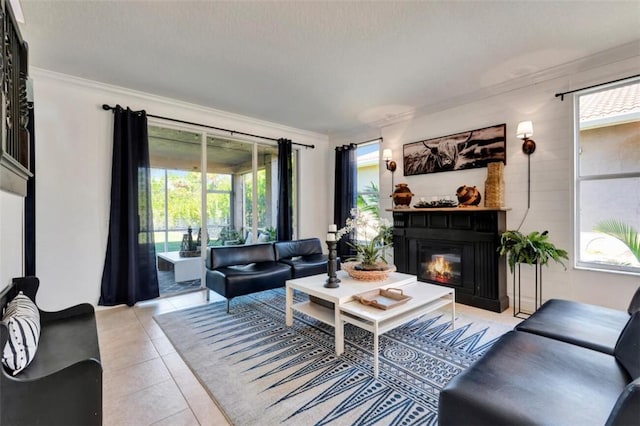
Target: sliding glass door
241, 208
175, 185
236, 185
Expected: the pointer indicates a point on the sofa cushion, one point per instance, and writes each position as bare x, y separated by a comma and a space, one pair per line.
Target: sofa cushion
590, 326
290, 249
627, 349
245, 279
218, 257
627, 407
22, 319
529, 379
79, 329
305, 266
634, 305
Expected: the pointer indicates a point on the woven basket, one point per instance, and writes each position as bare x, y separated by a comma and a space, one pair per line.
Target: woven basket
494, 185
368, 275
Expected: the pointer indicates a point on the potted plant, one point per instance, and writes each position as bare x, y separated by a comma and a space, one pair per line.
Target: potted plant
374, 237
370, 254
534, 248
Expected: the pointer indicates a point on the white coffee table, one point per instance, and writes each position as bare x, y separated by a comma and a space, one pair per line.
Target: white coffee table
425, 298
314, 286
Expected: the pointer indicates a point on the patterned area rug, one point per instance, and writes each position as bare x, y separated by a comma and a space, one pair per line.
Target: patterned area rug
262, 372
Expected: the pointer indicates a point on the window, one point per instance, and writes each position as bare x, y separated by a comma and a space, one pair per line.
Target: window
607, 178
247, 215
232, 168
219, 202
175, 185
368, 178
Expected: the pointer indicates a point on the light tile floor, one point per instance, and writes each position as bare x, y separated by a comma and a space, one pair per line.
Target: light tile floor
145, 382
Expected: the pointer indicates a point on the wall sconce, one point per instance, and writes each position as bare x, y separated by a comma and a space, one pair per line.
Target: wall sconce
391, 165
525, 129
386, 156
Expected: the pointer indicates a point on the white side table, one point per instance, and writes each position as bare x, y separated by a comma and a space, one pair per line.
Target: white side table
185, 268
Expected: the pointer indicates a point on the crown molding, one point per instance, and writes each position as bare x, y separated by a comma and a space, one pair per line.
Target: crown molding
608, 57
278, 129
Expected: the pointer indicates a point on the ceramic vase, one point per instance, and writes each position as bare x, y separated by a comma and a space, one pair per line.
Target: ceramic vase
402, 195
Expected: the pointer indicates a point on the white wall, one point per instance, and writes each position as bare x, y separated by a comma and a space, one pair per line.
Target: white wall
11, 237
551, 170
73, 155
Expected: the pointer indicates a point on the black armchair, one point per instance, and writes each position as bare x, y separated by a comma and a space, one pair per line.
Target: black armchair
63, 383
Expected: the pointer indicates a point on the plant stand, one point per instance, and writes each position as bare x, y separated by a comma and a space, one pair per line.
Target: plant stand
517, 308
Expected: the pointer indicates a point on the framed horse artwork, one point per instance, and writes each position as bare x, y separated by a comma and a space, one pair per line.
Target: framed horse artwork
460, 151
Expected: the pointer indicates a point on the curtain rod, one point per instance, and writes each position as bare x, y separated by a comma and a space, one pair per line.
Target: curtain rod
561, 95
110, 108
370, 140
354, 144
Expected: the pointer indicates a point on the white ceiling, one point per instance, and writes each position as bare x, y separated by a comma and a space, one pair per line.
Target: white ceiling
328, 67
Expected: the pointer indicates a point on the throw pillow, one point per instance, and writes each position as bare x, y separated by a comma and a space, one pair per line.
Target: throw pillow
22, 319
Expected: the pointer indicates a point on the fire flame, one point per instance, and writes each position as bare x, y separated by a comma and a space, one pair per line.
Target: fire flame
440, 269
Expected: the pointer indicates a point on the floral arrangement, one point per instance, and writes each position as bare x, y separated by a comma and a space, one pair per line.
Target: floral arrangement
372, 237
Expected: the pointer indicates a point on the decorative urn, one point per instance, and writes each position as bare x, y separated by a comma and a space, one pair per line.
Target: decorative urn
468, 196
402, 195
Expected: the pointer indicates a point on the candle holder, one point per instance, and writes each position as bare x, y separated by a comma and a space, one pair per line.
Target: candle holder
332, 265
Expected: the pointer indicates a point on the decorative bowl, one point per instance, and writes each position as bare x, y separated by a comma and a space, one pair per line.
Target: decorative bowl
368, 275
435, 204
468, 195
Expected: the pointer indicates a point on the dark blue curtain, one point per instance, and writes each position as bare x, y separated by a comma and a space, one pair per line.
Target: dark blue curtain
129, 273
345, 193
284, 226
30, 202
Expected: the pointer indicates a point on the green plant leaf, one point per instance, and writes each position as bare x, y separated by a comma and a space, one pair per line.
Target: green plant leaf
534, 248
623, 232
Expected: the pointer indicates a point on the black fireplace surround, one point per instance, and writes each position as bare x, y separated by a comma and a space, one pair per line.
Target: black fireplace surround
454, 247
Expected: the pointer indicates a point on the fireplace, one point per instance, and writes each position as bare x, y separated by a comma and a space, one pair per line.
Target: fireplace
440, 264
457, 248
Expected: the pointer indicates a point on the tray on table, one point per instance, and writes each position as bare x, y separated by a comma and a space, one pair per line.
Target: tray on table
383, 298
